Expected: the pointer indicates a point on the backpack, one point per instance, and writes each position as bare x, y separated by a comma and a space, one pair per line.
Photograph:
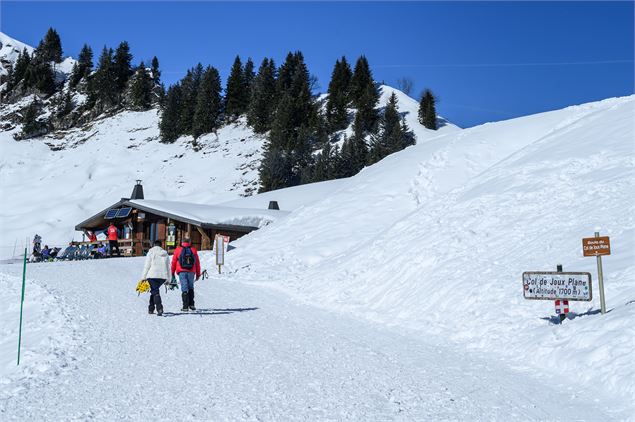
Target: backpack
186, 258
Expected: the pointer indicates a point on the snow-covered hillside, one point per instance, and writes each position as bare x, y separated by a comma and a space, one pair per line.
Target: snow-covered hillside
435, 238
58, 180
53, 184
10, 48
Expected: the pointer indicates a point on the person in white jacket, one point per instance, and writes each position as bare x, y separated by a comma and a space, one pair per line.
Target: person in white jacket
156, 270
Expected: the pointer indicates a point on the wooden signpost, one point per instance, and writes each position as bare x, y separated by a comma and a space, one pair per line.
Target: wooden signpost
598, 246
562, 287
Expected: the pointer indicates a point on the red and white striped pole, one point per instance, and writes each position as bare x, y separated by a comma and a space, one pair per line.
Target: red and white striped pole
562, 306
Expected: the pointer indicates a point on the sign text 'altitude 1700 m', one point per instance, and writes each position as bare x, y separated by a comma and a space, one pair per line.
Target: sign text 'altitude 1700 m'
551, 285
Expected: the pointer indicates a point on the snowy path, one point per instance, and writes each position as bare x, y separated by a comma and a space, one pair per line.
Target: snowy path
254, 354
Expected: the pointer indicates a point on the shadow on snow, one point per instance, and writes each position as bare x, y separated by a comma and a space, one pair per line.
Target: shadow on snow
210, 311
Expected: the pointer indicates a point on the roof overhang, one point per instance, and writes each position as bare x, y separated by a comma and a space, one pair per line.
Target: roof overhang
98, 221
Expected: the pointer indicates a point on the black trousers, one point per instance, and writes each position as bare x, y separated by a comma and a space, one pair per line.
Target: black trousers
155, 295
114, 245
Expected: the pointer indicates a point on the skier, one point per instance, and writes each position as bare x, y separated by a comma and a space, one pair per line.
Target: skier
187, 266
157, 271
112, 239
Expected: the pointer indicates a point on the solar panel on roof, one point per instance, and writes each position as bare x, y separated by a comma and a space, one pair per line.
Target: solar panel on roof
111, 214
124, 212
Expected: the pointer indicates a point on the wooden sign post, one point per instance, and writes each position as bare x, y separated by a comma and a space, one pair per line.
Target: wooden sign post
598, 246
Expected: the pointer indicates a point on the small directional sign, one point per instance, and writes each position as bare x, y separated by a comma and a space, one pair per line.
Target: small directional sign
553, 285
594, 246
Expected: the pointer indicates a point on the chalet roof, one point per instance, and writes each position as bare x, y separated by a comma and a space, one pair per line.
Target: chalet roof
204, 216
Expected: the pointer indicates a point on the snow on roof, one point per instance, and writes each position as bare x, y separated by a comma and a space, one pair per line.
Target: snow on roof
211, 214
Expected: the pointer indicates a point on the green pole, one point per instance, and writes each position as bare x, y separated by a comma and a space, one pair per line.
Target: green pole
22, 305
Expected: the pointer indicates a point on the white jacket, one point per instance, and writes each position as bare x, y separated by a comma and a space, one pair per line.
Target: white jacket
157, 264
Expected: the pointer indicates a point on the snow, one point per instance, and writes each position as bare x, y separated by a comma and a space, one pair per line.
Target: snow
435, 238
290, 199
254, 354
9, 50
214, 214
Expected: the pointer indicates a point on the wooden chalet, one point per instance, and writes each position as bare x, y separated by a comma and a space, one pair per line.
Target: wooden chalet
140, 222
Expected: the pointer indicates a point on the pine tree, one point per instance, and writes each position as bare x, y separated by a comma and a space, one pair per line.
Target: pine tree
393, 135
64, 106
354, 154
235, 93
274, 169
39, 75
208, 103
31, 126
122, 66
83, 67
338, 99
364, 95
20, 68
156, 73
427, 110
293, 129
169, 125
324, 165
189, 94
102, 90
141, 89
50, 47
263, 97
248, 76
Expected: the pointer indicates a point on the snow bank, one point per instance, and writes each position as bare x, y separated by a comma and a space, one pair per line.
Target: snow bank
46, 335
436, 237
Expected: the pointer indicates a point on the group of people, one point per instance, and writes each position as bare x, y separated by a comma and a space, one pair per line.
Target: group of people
159, 270
42, 254
102, 250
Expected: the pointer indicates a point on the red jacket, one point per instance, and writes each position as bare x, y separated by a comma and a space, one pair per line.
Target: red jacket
112, 233
176, 265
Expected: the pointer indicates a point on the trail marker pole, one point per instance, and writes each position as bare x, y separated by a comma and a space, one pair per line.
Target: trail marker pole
598, 246
563, 309
601, 280
22, 305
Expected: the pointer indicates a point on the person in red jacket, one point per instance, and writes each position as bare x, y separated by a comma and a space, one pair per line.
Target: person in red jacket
112, 239
187, 266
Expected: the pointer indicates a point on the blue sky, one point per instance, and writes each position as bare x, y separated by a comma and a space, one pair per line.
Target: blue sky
486, 61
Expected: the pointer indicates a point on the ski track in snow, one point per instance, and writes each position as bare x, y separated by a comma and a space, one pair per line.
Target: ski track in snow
254, 354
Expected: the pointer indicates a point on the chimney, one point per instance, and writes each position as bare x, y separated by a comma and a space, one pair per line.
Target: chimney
273, 205
137, 192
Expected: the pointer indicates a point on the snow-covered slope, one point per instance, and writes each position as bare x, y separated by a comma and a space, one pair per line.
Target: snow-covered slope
436, 237
9, 50
53, 184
